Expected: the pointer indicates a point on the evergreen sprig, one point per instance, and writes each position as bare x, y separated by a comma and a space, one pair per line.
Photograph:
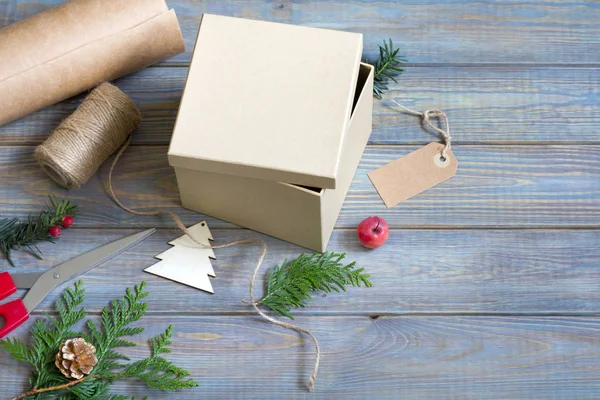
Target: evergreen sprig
387, 67
15, 234
47, 335
291, 284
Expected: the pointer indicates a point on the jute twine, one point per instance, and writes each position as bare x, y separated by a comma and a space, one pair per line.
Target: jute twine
426, 116
103, 123
85, 139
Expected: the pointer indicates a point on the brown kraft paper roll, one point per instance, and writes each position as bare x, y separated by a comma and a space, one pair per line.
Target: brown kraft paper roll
69, 49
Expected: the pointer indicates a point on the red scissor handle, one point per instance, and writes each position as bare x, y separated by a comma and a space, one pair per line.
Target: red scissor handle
7, 286
14, 314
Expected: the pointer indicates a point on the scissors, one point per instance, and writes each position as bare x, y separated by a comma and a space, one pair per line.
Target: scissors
41, 284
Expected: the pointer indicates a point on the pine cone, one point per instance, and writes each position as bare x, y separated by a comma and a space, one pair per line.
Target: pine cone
76, 358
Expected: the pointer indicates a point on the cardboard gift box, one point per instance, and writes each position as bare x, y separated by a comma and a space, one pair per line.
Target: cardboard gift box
272, 124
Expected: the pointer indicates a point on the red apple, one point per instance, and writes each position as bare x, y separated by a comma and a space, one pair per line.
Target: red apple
372, 232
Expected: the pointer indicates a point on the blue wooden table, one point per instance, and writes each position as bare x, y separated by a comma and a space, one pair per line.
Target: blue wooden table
488, 285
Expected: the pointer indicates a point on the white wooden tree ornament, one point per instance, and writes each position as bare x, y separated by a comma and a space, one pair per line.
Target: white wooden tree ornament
187, 262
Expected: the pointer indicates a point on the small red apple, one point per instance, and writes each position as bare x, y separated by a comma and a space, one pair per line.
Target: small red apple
372, 232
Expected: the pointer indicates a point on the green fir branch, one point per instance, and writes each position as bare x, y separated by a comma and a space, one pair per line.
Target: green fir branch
291, 285
107, 336
15, 234
387, 67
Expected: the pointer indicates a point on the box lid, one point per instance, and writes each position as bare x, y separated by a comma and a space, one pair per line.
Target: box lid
267, 100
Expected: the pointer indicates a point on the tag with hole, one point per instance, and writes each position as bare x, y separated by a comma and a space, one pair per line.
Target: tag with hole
414, 173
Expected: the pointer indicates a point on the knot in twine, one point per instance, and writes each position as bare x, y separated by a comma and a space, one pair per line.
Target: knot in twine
426, 116
104, 122
85, 139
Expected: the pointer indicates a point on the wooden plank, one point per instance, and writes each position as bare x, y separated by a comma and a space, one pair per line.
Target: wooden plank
439, 32
391, 358
416, 271
498, 106
508, 186
156, 91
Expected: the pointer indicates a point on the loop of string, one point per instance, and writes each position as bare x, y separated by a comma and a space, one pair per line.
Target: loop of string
180, 225
426, 116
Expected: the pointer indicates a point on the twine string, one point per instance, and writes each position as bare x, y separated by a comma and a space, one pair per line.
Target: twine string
263, 244
426, 116
102, 123
85, 139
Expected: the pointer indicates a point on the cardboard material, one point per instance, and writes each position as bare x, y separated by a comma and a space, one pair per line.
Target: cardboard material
73, 47
414, 173
267, 101
294, 213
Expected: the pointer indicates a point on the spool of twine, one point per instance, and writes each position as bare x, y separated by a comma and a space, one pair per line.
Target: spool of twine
85, 139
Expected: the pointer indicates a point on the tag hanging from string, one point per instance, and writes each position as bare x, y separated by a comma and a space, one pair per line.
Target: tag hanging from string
420, 170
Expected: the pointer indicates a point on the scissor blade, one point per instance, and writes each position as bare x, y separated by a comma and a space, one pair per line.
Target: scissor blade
77, 266
25, 280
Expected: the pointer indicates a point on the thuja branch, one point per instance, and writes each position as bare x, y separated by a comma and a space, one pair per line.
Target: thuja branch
15, 234
60, 355
291, 285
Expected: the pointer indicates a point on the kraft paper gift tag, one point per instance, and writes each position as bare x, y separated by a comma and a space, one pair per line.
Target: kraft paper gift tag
414, 173
420, 170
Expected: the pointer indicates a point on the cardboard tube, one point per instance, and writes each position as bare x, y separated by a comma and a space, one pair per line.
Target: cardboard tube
71, 48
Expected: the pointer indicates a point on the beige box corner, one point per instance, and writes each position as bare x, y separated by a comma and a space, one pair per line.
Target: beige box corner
240, 166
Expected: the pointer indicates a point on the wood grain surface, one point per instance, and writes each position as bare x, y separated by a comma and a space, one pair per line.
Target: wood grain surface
240, 357
485, 105
468, 272
488, 285
495, 186
437, 32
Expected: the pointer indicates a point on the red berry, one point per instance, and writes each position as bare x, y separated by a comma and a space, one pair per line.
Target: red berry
67, 221
372, 232
54, 231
